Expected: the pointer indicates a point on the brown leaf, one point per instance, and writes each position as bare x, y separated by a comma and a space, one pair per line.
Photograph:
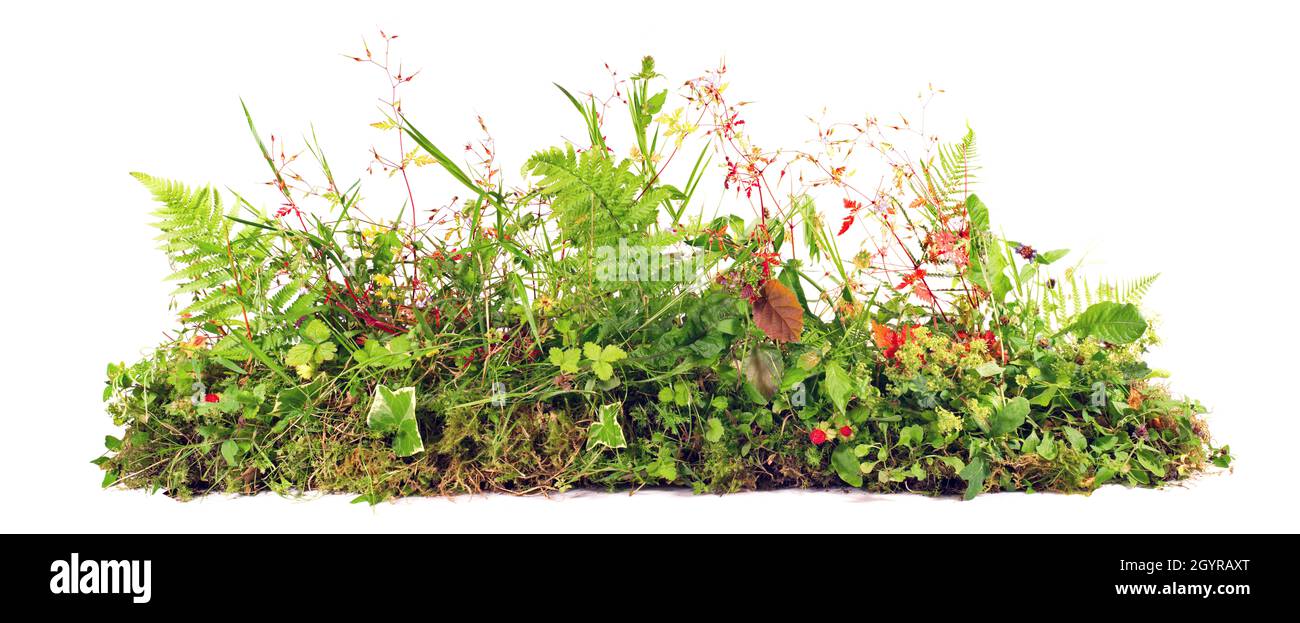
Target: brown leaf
777, 312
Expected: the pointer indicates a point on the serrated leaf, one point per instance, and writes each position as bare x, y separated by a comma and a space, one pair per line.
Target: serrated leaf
715, 430
1117, 323
316, 331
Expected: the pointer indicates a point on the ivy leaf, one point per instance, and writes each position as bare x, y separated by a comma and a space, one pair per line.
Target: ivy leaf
777, 312
846, 464
606, 431
394, 412
837, 385
1111, 322
1009, 417
974, 474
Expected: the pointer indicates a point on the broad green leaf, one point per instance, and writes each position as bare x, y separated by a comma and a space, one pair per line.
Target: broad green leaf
1047, 448
989, 368
1030, 444
1111, 322
846, 464
1048, 257
1076, 438
606, 431
837, 385
231, 452
1009, 417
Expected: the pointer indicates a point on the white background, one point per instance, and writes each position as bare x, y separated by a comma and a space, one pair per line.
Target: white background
1158, 137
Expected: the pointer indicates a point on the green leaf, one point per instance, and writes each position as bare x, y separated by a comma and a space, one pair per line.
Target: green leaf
231, 452
1111, 322
1008, 418
394, 412
1030, 444
606, 431
300, 355
112, 443
715, 431
989, 368
566, 359
911, 436
665, 394
1048, 257
603, 370
846, 464
1076, 438
837, 385
978, 214
316, 331
1047, 448
974, 474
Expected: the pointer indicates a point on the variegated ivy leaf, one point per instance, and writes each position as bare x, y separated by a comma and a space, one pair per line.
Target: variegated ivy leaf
394, 412
606, 431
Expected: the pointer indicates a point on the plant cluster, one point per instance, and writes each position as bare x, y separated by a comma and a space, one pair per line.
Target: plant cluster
595, 326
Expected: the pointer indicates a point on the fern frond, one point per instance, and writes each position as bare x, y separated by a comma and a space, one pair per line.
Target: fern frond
595, 200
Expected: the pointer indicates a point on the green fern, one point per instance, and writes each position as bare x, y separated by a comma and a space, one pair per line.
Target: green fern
594, 200
950, 174
1081, 295
224, 272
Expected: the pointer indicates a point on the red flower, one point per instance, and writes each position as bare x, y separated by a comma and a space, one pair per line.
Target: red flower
846, 432
211, 398
817, 436
889, 340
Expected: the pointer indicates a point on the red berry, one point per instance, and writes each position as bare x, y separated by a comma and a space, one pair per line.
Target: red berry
846, 432
211, 398
817, 436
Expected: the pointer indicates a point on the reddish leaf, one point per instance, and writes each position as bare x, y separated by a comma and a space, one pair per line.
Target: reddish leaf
844, 227
777, 312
